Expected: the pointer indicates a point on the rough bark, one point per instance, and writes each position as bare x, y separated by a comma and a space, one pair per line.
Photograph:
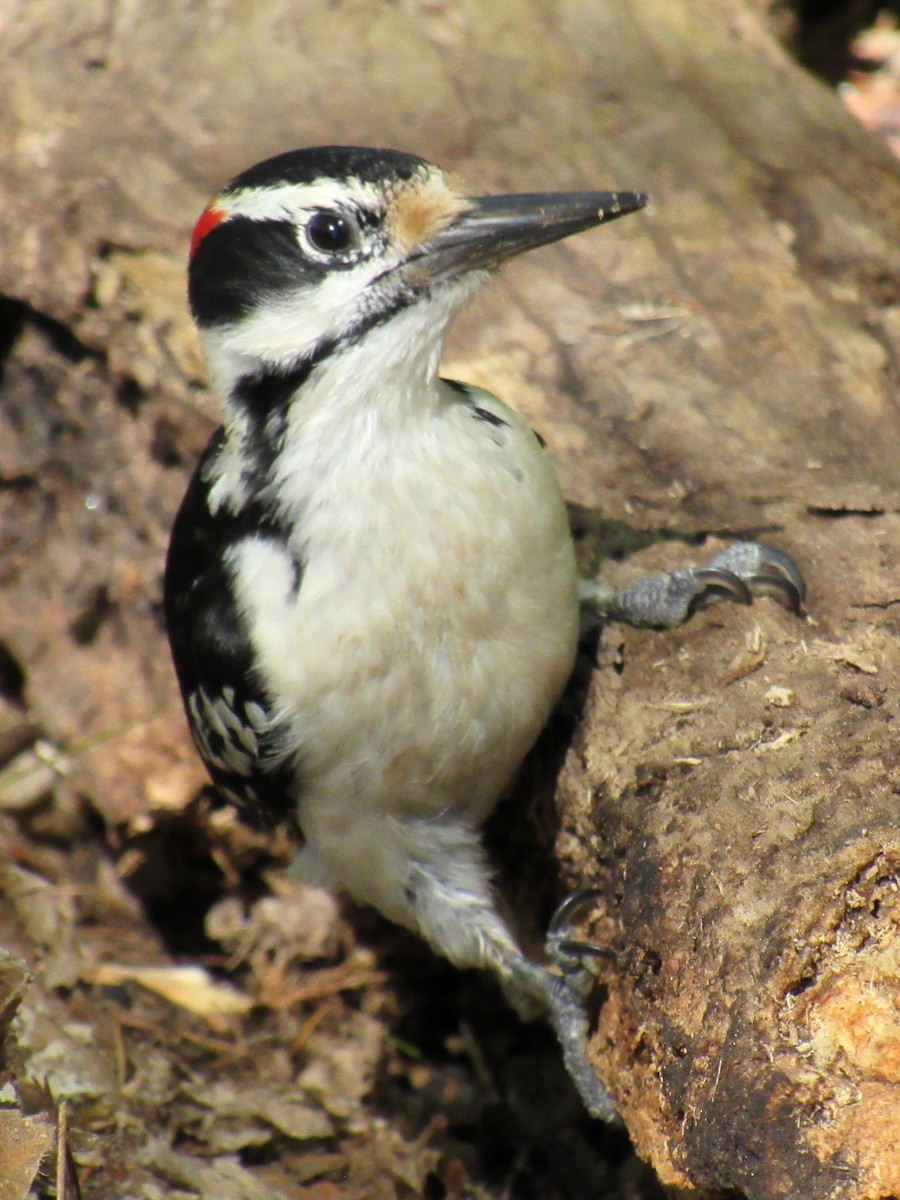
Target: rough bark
727, 364
734, 786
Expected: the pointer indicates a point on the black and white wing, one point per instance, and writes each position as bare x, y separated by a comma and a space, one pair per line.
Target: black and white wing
230, 717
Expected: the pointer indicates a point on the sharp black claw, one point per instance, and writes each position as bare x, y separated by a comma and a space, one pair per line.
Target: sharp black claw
562, 918
780, 564
718, 583
776, 565
779, 587
566, 952
575, 950
764, 569
775, 575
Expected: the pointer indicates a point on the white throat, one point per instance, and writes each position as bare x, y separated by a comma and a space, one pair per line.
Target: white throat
354, 403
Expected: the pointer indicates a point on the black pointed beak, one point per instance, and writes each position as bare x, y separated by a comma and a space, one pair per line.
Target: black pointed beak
494, 228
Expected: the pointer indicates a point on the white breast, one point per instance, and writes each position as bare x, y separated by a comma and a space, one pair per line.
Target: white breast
435, 624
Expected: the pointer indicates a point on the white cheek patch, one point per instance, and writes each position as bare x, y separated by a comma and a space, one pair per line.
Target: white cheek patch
303, 318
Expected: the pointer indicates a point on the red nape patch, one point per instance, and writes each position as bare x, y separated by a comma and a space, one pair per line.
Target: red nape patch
208, 220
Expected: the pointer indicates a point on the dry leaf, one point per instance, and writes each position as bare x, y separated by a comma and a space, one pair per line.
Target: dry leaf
749, 658
281, 1107
189, 987
223, 1178
853, 658
783, 739
24, 1142
14, 979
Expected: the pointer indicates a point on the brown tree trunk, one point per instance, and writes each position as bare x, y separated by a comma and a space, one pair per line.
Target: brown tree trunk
725, 365
734, 786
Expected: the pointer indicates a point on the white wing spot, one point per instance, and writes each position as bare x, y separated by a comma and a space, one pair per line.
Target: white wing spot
215, 727
257, 716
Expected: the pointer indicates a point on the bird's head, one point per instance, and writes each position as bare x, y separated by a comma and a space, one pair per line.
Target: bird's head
305, 253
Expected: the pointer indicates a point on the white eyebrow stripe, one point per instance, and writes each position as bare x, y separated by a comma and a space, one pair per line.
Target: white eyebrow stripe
287, 201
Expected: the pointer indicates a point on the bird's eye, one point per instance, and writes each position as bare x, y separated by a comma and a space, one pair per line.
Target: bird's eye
330, 232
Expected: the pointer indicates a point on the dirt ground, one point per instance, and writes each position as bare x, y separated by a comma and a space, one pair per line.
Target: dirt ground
202, 1025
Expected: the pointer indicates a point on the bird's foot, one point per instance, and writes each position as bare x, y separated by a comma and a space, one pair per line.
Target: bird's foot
566, 993
739, 573
573, 957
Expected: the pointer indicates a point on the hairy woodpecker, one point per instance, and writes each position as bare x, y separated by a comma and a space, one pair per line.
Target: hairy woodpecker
371, 592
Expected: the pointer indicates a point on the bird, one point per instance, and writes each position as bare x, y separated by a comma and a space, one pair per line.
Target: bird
371, 592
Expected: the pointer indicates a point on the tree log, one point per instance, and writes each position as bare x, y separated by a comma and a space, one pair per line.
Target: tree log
726, 365
733, 789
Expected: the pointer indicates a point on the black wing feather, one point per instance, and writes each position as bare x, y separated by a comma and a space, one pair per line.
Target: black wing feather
228, 711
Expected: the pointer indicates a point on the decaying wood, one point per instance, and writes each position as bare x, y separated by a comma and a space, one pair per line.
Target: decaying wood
726, 365
734, 787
